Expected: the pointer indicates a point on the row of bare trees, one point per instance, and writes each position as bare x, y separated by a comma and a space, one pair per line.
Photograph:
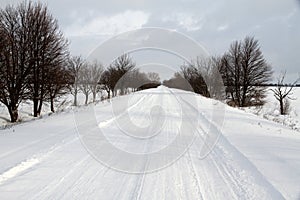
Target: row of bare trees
33, 52
243, 69
85, 78
245, 74
120, 77
35, 63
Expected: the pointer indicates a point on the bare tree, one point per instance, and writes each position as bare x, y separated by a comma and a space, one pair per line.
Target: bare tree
47, 49
137, 80
34, 46
14, 68
178, 81
84, 81
191, 72
208, 71
153, 76
122, 65
246, 72
96, 69
283, 92
58, 84
75, 65
213, 78
106, 82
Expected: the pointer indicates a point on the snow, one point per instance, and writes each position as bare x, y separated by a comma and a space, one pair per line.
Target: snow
18, 169
271, 111
253, 158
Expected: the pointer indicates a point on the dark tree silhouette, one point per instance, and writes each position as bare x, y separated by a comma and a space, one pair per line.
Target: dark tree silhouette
195, 78
14, 68
47, 49
58, 84
106, 82
122, 65
178, 82
246, 71
283, 92
32, 46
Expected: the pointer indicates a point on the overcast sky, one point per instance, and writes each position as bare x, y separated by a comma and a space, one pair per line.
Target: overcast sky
214, 24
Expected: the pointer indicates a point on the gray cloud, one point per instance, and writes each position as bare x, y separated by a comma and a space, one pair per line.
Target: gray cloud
215, 24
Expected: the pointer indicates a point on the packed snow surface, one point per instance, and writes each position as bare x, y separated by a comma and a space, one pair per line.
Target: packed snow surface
253, 158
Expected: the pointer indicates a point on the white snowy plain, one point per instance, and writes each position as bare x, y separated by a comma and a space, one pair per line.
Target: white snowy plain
253, 158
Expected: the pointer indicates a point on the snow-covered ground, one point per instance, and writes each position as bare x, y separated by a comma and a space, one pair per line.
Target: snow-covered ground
254, 158
63, 103
271, 111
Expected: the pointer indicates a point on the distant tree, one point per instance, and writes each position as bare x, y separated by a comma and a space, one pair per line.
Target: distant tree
75, 64
114, 76
122, 65
106, 82
139, 80
193, 73
96, 69
206, 79
246, 71
214, 78
58, 84
178, 82
153, 77
84, 81
282, 92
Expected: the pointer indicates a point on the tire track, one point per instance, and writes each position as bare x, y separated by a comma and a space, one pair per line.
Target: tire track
109, 121
194, 175
229, 173
54, 184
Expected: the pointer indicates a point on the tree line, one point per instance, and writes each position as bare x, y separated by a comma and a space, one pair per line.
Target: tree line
120, 77
244, 71
32, 56
35, 63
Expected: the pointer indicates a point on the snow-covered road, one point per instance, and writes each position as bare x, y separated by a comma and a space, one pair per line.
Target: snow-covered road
45, 159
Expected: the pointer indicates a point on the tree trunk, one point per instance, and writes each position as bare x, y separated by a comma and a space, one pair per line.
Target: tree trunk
281, 107
75, 98
52, 104
86, 99
233, 99
94, 96
35, 107
40, 107
243, 102
13, 112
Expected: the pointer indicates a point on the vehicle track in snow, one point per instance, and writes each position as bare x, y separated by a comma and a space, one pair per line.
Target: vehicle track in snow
69, 172
232, 165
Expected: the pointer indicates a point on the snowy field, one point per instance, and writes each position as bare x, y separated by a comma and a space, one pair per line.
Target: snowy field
271, 110
254, 158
